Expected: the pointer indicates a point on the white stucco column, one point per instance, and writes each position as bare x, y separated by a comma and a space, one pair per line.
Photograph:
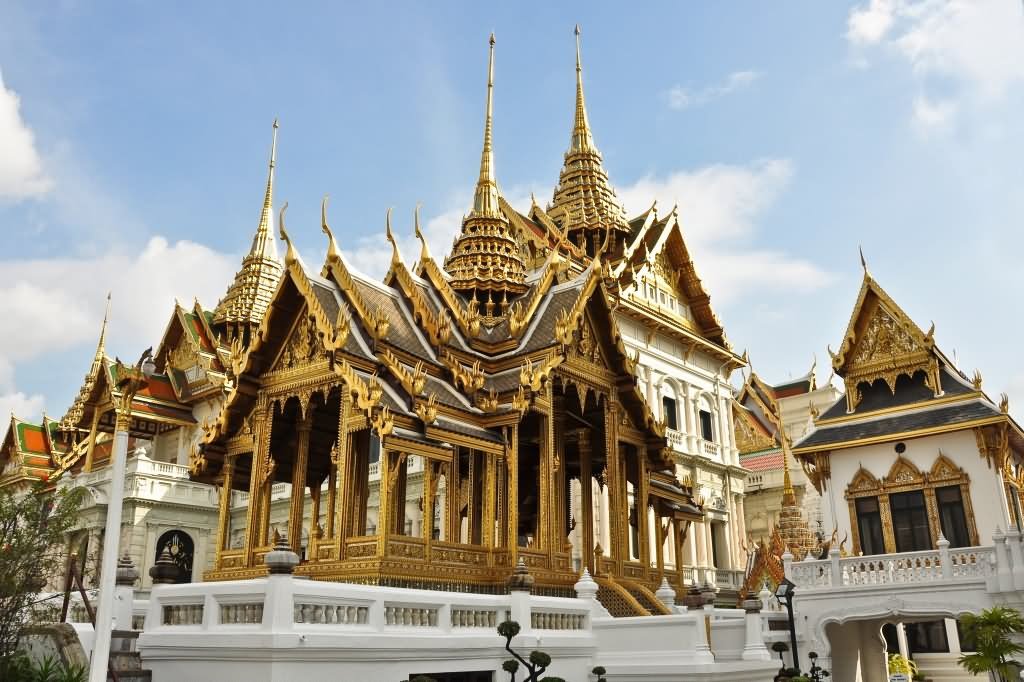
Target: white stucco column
690, 413
701, 531
108, 570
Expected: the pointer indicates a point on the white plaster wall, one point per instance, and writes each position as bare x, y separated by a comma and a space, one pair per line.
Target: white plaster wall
987, 496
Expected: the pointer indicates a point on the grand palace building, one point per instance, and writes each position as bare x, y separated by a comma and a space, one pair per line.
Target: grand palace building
551, 399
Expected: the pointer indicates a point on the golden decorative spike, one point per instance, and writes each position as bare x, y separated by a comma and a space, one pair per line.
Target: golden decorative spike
263, 231
291, 256
396, 256
977, 380
101, 349
1004, 403
427, 411
425, 250
863, 261
333, 253
485, 200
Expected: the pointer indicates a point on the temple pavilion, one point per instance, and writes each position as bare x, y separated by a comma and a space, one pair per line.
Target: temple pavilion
498, 375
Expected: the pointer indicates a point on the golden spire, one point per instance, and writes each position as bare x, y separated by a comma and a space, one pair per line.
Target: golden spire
485, 199
263, 242
101, 349
584, 201
582, 140
485, 256
788, 494
243, 306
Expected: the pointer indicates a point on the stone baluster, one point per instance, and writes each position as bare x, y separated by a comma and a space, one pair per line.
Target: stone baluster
944, 559
754, 649
836, 579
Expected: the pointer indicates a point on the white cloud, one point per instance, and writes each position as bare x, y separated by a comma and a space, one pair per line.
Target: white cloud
972, 48
56, 304
868, 25
679, 97
21, 171
719, 207
13, 401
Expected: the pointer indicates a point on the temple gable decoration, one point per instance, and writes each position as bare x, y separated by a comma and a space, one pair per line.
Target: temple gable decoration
882, 343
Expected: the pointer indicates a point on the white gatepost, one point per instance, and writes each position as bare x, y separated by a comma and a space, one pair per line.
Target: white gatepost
1004, 577
944, 560
837, 571
1013, 540
754, 648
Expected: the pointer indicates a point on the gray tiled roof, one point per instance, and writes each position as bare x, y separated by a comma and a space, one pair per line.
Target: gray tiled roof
897, 424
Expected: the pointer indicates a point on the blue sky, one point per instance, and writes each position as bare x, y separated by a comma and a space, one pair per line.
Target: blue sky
134, 137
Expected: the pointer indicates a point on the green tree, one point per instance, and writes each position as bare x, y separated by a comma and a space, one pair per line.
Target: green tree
33, 532
993, 649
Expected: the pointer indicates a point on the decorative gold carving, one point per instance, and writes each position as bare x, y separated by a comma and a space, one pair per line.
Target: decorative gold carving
302, 347
535, 377
412, 381
470, 379
521, 314
427, 410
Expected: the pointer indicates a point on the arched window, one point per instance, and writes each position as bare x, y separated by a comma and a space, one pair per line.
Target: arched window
669, 408
182, 550
707, 428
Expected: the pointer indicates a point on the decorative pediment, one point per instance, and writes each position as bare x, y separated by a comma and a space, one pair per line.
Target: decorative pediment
882, 342
945, 470
302, 347
750, 437
588, 344
864, 482
903, 472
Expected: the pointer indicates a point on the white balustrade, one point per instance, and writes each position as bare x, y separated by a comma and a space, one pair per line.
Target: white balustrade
410, 616
711, 449
247, 613
182, 614
311, 613
475, 618
906, 568
555, 620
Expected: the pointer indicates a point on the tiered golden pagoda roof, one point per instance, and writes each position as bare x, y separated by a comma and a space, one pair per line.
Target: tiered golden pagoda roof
584, 202
486, 262
246, 300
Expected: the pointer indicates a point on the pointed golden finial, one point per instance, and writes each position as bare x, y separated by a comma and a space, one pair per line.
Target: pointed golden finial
863, 261
977, 380
396, 256
333, 252
813, 372
101, 346
582, 140
788, 494
263, 242
425, 250
290, 256
485, 199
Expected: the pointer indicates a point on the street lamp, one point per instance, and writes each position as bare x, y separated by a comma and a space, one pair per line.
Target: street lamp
784, 593
130, 380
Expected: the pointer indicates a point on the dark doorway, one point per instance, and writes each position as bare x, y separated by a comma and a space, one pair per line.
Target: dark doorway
478, 676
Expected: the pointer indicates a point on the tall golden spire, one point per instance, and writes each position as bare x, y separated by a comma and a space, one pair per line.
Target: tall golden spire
582, 139
101, 349
584, 202
486, 261
263, 242
243, 306
485, 199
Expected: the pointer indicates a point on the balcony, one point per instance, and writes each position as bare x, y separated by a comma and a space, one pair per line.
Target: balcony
710, 449
676, 439
148, 479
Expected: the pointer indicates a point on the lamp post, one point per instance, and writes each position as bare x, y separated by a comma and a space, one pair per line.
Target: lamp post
784, 593
130, 380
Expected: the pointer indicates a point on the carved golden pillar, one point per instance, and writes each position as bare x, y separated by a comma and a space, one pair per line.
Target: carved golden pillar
545, 522
343, 483
259, 473
512, 466
677, 546
384, 467
586, 500
314, 519
453, 499
429, 491
642, 519
659, 548
472, 513
501, 493
398, 495
562, 490
298, 501
489, 503
224, 512
332, 507
618, 507
888, 536
91, 448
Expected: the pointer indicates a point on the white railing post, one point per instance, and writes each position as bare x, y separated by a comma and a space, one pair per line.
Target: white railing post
279, 602
787, 564
124, 593
1017, 557
836, 569
754, 648
944, 560
665, 594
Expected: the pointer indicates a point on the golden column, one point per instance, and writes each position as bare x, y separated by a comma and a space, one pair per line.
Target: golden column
343, 486
259, 473
224, 512
512, 466
298, 501
586, 499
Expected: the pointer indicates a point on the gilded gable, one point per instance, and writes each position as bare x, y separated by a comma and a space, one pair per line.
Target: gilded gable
302, 347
